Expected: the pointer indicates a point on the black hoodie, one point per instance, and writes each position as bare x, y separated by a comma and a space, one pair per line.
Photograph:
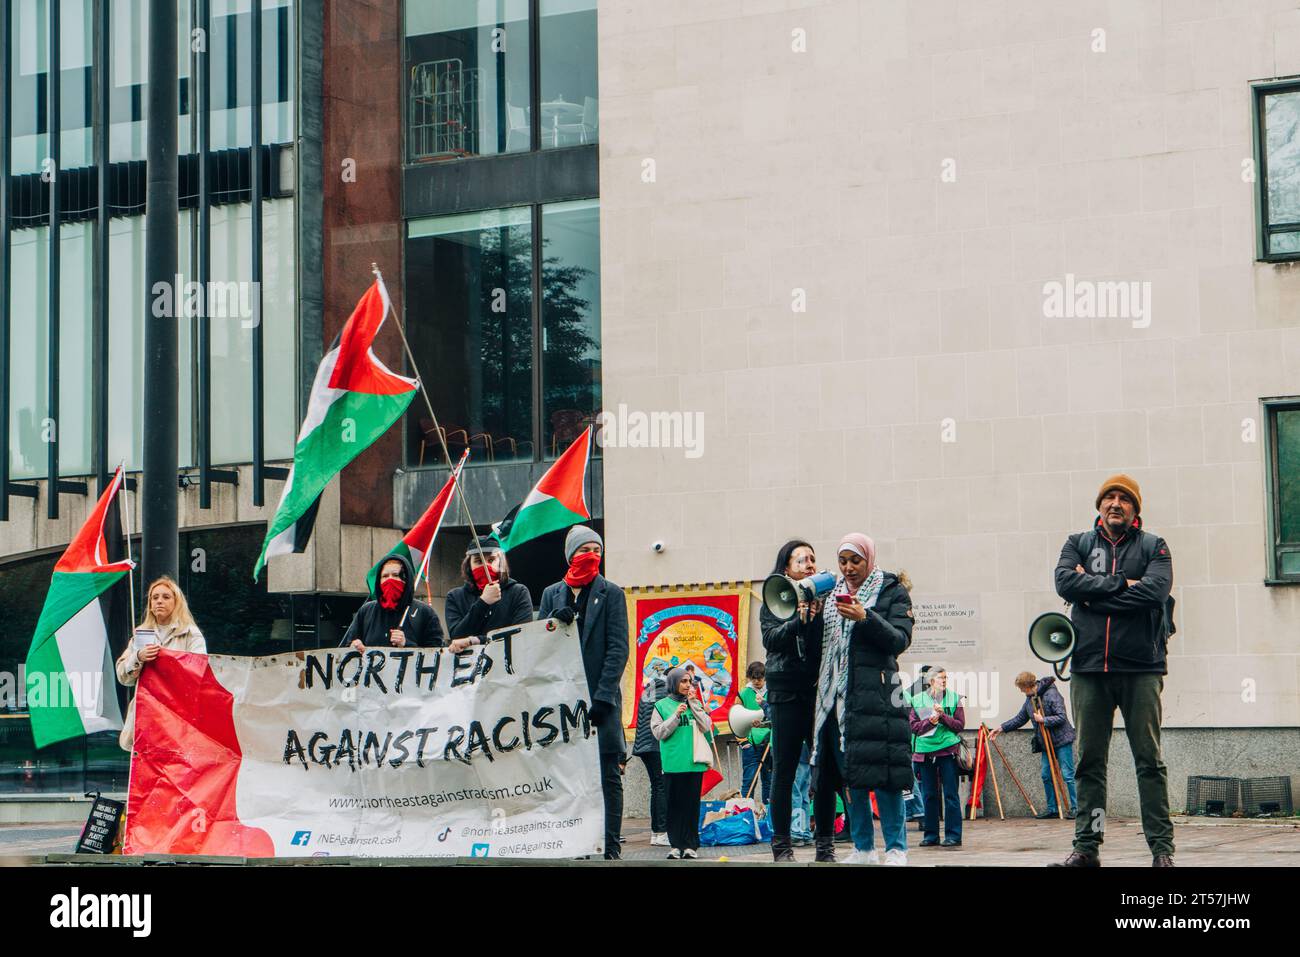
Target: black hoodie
373, 621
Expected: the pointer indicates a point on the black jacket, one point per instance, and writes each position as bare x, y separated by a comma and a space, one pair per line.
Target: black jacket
789, 676
373, 622
646, 742
468, 615
603, 636
877, 735
1117, 628
1053, 712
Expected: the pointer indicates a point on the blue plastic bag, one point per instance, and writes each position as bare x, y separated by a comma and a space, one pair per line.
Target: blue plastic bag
732, 829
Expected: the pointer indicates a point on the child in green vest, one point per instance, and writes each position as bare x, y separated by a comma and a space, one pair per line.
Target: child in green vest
755, 758
683, 730
936, 717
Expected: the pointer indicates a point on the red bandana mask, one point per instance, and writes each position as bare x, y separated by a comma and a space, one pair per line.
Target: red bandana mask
390, 590
582, 569
483, 576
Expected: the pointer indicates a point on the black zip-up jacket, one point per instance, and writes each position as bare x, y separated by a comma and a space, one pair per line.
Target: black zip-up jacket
1118, 628
790, 676
468, 615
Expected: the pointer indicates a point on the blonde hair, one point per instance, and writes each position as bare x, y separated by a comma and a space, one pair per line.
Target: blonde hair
181, 617
1026, 679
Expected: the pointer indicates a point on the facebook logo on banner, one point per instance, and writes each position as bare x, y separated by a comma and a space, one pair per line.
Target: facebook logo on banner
479, 850
300, 838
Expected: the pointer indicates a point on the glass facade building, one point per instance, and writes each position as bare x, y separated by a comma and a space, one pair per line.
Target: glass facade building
480, 163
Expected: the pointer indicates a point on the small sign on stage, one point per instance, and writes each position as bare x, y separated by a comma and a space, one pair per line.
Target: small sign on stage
100, 833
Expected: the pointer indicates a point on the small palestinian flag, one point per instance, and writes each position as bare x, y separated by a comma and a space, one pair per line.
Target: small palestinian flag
354, 400
418, 542
71, 685
558, 500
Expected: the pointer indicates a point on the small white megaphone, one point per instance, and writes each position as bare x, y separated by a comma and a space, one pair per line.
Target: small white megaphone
742, 720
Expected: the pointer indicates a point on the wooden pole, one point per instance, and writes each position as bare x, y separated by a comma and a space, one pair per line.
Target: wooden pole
759, 773
993, 773
1058, 786
981, 754
1012, 771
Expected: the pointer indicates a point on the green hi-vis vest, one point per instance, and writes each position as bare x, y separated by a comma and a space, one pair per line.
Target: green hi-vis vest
677, 751
944, 736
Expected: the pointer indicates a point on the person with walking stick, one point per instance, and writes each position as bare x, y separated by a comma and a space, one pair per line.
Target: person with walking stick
1051, 719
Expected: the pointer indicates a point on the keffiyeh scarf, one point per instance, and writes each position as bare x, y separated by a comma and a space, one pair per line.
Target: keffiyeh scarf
833, 677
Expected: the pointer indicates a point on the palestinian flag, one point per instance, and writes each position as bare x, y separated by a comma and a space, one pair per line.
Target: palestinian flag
558, 500
71, 685
418, 542
354, 400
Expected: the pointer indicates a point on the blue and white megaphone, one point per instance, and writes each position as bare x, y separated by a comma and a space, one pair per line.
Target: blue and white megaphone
782, 594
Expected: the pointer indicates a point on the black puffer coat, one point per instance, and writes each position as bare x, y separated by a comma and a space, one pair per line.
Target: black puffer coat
877, 736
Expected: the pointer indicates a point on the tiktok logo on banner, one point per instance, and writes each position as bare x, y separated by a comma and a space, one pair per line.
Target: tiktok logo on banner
300, 838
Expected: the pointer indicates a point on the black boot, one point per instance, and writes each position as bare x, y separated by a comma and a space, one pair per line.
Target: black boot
825, 850
781, 852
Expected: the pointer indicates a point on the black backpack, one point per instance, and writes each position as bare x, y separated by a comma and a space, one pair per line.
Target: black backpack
1148, 543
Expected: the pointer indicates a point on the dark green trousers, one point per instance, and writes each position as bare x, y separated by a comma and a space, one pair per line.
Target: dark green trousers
1095, 698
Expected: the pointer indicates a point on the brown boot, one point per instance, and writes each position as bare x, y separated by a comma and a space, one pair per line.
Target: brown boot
781, 852
825, 850
1162, 860
1079, 860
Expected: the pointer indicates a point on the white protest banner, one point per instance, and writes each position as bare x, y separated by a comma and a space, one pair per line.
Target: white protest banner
390, 753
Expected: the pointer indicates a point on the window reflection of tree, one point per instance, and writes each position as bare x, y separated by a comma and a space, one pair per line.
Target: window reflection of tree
506, 355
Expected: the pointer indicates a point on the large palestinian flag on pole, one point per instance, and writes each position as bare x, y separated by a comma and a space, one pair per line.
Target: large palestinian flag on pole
418, 542
354, 400
558, 500
71, 686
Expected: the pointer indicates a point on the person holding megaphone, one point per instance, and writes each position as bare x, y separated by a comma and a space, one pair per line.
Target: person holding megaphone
794, 654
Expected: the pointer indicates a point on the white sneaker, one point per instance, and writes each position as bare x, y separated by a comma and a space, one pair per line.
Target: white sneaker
863, 857
674, 855
659, 839
896, 858
690, 854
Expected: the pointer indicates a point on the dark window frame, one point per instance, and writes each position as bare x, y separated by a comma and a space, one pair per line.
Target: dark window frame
1273, 492
534, 102
1265, 228
537, 240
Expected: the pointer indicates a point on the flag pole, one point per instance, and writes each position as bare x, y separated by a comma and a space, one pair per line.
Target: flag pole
428, 404
130, 574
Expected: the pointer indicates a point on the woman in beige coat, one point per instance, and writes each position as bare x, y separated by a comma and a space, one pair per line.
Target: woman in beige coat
168, 615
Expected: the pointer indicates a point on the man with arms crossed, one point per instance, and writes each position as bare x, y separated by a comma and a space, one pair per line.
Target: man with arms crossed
1118, 578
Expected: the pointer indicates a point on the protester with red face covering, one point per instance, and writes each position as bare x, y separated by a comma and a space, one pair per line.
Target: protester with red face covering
600, 609
394, 618
488, 600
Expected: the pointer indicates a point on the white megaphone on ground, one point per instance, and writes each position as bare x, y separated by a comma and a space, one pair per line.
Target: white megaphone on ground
742, 720
1051, 639
782, 594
